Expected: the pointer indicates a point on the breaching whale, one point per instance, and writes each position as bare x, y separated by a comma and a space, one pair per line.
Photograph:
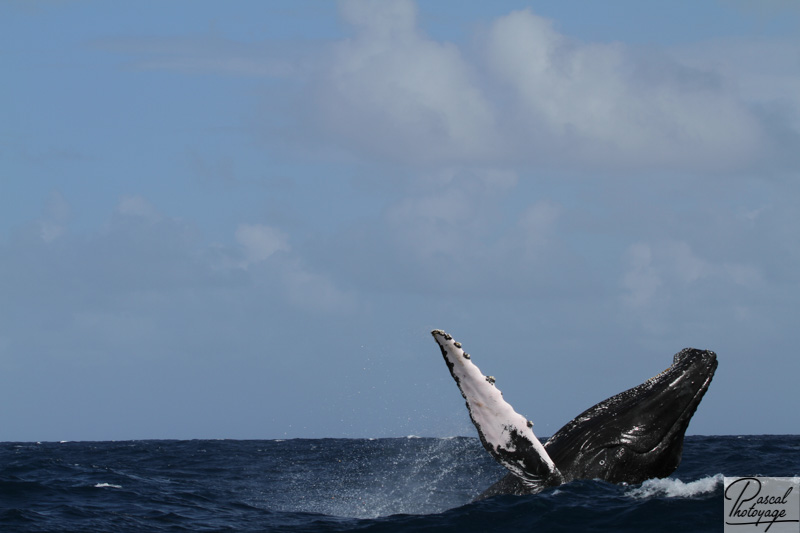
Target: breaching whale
628, 438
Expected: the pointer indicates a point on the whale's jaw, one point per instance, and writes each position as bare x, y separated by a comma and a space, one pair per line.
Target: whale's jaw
637, 434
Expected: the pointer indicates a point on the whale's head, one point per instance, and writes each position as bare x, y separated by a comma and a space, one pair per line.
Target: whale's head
637, 434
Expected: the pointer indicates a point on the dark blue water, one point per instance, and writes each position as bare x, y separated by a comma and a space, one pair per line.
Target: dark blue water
405, 484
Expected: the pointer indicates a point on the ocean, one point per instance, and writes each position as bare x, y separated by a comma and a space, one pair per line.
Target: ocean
390, 484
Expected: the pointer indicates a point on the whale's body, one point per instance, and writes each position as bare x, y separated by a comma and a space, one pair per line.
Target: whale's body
628, 438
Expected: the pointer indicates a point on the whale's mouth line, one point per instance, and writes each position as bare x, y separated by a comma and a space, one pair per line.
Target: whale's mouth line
701, 391
686, 413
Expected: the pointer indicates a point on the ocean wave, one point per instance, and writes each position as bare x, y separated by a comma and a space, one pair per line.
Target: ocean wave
675, 488
326, 485
107, 486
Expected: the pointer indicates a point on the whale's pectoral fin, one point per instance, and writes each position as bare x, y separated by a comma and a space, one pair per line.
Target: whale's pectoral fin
505, 434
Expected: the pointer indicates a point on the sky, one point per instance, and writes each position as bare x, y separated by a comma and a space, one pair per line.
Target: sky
243, 219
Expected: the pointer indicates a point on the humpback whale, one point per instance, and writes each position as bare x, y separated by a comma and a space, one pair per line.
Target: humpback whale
628, 438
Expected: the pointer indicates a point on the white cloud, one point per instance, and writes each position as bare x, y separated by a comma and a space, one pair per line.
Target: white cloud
394, 92
604, 104
259, 242
316, 292
684, 263
521, 93
461, 232
641, 281
449, 218
302, 287
381, 19
763, 73
137, 206
537, 224
656, 271
50, 231
747, 276
659, 272
52, 225
528, 94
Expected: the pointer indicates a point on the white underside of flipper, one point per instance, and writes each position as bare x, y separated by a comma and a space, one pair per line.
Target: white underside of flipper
506, 434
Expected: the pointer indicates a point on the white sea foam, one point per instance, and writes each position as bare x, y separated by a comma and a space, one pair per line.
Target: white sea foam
675, 488
107, 486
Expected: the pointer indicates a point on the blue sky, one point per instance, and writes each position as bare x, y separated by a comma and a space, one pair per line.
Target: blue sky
242, 220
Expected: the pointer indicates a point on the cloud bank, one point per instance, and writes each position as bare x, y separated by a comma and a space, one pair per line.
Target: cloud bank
526, 95
520, 94
582, 202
